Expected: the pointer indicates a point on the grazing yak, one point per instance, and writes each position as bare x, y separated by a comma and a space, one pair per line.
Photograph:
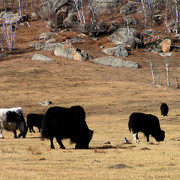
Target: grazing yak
146, 123
12, 119
63, 123
164, 109
34, 120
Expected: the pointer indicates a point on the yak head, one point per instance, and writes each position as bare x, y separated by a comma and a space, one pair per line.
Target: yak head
85, 143
160, 135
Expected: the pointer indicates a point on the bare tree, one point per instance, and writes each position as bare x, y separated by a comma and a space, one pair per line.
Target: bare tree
152, 71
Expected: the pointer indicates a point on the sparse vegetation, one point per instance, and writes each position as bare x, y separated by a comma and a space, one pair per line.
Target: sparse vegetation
108, 95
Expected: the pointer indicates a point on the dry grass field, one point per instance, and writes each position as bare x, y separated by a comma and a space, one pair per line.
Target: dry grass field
109, 95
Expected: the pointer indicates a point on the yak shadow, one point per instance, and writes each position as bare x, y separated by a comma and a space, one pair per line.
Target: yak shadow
103, 147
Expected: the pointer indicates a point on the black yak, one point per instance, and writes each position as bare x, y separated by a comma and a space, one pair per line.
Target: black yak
34, 120
63, 123
146, 123
164, 109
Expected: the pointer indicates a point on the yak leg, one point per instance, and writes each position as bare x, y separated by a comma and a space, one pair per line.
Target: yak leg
15, 134
52, 145
60, 143
135, 135
33, 130
1, 135
147, 136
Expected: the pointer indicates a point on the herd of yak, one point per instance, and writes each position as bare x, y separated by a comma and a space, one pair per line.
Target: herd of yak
69, 123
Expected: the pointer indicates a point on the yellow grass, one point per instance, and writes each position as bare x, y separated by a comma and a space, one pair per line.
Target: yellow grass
108, 95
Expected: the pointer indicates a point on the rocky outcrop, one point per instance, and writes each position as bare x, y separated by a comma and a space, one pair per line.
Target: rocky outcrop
126, 37
68, 51
54, 12
116, 62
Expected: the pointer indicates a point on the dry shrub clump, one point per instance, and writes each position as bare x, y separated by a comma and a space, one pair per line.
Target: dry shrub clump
34, 150
8, 150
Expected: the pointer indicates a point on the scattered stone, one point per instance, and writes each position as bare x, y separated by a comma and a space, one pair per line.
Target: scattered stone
165, 54
48, 46
116, 62
50, 41
116, 51
40, 57
166, 45
47, 35
95, 161
3, 55
149, 32
177, 36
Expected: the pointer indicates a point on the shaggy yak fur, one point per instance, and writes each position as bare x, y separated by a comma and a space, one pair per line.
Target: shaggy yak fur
146, 123
63, 123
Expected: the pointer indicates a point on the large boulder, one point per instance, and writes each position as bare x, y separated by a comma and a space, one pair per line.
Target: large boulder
68, 51
126, 37
116, 51
116, 62
104, 6
53, 12
129, 8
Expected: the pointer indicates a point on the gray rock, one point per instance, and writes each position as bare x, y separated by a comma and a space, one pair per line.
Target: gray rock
37, 46
104, 6
71, 18
126, 37
132, 21
129, 8
50, 41
117, 51
48, 46
116, 62
68, 51
40, 57
57, 10
149, 32
47, 35
177, 36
